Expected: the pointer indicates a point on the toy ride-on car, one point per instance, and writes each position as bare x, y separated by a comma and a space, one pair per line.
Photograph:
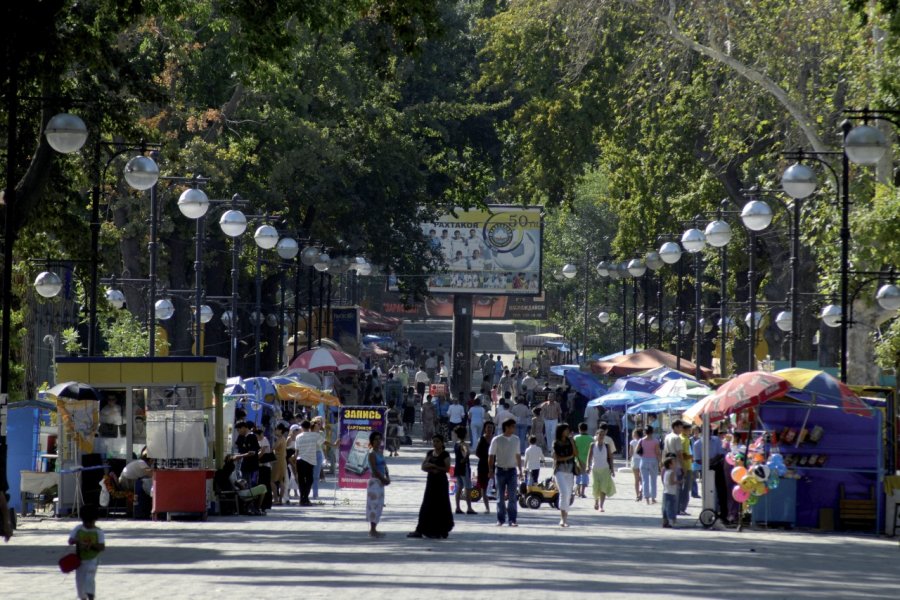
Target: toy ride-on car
533, 495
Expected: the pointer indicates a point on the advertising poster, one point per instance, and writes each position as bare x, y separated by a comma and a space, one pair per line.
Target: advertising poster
357, 422
496, 251
440, 306
345, 327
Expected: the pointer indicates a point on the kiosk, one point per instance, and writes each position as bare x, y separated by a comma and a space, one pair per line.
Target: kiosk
171, 405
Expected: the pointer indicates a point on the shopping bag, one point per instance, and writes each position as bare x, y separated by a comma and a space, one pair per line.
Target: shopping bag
69, 563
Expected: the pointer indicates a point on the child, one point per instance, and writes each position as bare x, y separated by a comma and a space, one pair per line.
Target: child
534, 456
461, 470
89, 542
671, 485
583, 443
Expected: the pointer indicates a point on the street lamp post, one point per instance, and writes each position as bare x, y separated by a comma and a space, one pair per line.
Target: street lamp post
864, 145
636, 268
694, 241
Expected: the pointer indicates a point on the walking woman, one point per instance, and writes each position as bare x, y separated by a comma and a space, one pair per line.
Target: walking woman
318, 427
482, 451
279, 469
565, 465
376, 484
429, 415
648, 450
635, 461
435, 516
600, 460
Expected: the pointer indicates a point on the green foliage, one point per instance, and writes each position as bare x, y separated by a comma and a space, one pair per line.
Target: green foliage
71, 342
125, 335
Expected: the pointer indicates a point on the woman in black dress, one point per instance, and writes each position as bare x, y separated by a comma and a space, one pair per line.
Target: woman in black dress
435, 516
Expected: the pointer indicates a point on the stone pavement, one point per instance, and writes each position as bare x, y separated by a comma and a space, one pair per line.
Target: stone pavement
324, 552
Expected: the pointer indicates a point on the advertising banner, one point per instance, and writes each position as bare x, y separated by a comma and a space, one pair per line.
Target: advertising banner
357, 422
494, 251
440, 306
345, 327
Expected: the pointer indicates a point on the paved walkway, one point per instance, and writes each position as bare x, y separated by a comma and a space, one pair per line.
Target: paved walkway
323, 551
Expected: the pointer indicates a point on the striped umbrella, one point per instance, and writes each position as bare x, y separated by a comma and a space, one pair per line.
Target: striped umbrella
321, 360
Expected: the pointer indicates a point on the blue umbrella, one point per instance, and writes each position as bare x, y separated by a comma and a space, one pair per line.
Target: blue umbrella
662, 404
621, 399
585, 384
663, 374
560, 370
633, 384
235, 386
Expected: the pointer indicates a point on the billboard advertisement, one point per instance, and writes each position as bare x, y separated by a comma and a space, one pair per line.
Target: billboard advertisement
440, 306
357, 422
493, 251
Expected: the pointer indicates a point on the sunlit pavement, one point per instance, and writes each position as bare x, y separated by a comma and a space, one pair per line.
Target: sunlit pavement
324, 551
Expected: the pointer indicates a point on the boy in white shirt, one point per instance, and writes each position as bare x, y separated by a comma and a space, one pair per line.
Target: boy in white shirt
534, 457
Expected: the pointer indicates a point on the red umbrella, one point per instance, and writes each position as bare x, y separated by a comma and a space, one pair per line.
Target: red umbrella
320, 360
744, 391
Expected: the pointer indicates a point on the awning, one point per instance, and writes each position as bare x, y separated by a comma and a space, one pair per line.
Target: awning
540, 340
369, 320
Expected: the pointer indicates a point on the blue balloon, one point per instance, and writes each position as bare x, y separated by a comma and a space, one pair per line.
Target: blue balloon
773, 482
776, 459
781, 470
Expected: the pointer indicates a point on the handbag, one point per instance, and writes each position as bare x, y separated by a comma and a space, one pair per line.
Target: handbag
69, 562
267, 457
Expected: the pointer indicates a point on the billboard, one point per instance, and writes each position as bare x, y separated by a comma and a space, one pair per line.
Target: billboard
440, 306
494, 251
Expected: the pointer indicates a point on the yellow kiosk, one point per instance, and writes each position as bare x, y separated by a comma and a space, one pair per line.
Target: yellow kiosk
171, 405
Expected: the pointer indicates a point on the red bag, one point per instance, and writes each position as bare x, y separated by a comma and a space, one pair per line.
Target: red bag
69, 563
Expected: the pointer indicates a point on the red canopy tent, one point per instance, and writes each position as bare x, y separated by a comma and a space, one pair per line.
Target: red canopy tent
628, 364
370, 321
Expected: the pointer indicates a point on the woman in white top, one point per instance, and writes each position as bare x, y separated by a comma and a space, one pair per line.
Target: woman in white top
635, 460
601, 461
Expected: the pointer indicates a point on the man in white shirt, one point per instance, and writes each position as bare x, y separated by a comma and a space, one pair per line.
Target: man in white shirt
672, 444
456, 414
422, 380
503, 412
504, 460
523, 421
529, 384
431, 365
306, 445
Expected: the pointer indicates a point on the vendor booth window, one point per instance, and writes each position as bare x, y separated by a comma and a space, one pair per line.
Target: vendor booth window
112, 432
178, 397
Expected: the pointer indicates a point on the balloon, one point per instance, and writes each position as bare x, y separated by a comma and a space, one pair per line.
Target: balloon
776, 459
729, 458
740, 495
774, 481
738, 474
742, 449
752, 500
758, 458
781, 470
748, 483
762, 472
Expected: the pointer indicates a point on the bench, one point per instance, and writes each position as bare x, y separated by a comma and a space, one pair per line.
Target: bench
857, 513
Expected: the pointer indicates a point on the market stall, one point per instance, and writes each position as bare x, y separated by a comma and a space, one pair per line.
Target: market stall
805, 450
170, 405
